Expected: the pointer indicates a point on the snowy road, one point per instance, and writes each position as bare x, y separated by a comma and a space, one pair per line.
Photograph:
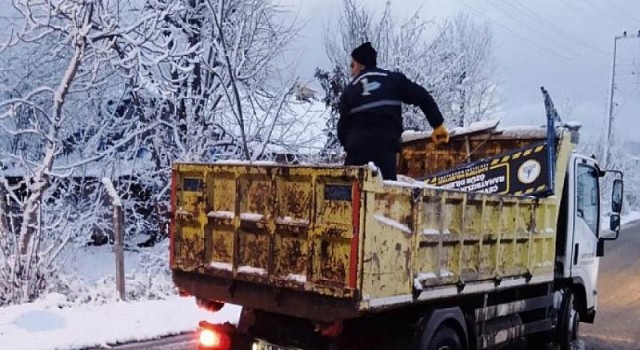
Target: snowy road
617, 323
179, 342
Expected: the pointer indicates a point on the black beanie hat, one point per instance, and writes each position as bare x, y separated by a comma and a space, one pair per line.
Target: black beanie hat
366, 55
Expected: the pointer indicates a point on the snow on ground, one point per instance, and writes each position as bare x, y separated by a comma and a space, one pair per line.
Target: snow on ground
89, 313
90, 273
44, 325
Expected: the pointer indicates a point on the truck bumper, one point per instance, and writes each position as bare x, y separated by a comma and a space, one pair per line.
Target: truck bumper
300, 304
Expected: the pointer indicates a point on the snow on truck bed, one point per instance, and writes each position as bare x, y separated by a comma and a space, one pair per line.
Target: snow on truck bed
475, 127
515, 132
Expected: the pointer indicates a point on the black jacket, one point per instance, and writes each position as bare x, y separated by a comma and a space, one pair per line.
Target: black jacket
371, 109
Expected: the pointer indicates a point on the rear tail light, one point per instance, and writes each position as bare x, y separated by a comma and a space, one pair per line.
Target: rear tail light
210, 338
214, 337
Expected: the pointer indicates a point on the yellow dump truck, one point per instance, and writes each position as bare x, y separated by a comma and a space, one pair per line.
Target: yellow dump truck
489, 240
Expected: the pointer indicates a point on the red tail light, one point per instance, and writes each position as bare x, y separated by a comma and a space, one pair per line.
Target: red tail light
210, 338
213, 337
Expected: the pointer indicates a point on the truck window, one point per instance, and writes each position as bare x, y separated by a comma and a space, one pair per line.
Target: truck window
588, 197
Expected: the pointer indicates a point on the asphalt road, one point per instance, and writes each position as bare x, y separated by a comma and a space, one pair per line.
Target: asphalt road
617, 325
178, 342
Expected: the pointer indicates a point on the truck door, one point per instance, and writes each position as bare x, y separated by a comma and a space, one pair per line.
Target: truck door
586, 226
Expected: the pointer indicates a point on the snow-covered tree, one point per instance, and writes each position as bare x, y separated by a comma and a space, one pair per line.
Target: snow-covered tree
123, 90
332, 84
52, 131
621, 159
226, 89
219, 88
465, 83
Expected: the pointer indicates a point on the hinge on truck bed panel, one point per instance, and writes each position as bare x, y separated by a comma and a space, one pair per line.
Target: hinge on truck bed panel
416, 195
461, 284
277, 296
232, 288
528, 276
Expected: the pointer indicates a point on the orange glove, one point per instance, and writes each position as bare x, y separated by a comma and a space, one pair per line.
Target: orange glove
440, 135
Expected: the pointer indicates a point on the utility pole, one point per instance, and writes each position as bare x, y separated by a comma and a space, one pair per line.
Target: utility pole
613, 87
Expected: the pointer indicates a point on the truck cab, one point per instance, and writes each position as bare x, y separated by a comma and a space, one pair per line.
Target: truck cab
581, 237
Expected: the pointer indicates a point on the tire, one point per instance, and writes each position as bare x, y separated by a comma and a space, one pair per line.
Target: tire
569, 326
540, 341
445, 338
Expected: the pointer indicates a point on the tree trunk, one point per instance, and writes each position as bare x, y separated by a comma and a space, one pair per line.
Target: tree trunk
41, 178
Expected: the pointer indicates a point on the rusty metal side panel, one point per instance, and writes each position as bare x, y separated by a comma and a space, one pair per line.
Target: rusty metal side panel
466, 237
333, 240
388, 246
293, 217
220, 229
285, 227
253, 234
418, 239
543, 246
566, 148
190, 218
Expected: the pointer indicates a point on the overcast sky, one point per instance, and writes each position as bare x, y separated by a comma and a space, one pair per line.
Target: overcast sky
567, 46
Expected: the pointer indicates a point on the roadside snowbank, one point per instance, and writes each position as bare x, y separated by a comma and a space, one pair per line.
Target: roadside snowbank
47, 324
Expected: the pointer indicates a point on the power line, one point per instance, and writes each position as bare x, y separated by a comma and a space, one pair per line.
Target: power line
579, 9
513, 15
603, 10
617, 8
546, 24
513, 33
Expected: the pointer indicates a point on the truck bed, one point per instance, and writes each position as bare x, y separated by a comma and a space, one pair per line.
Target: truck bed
328, 243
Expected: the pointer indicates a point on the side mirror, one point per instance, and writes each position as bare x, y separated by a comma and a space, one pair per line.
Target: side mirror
614, 223
616, 197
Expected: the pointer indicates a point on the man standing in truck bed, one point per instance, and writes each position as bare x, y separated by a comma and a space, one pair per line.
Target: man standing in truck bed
370, 124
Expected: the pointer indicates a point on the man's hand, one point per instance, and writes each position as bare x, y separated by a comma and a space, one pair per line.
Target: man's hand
440, 135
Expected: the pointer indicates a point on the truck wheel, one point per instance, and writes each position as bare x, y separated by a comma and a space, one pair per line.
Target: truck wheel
540, 341
445, 338
569, 323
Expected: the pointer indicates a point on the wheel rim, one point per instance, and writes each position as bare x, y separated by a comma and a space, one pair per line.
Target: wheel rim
444, 347
574, 325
